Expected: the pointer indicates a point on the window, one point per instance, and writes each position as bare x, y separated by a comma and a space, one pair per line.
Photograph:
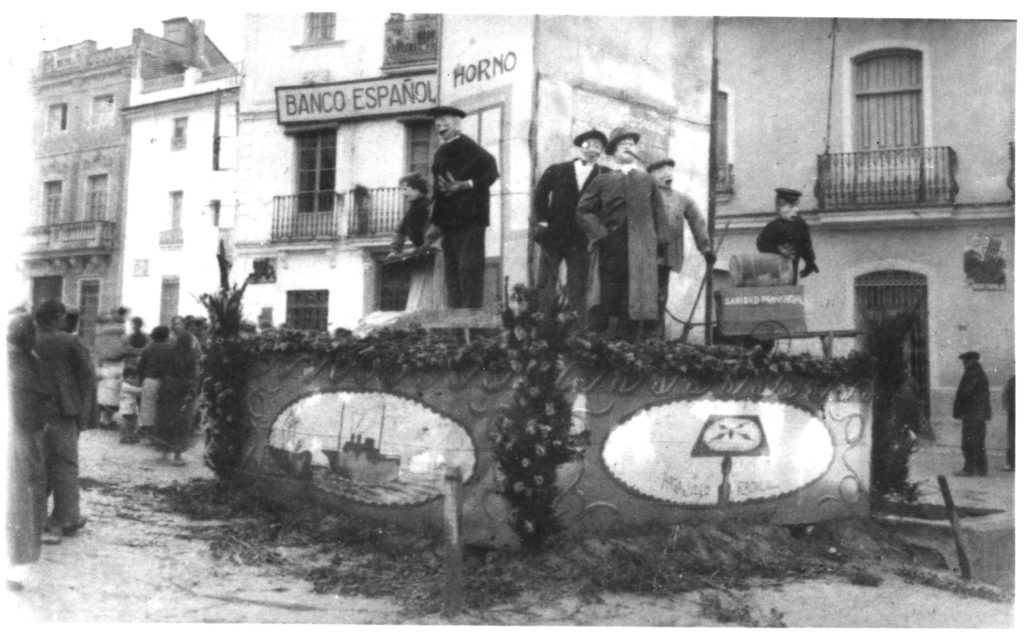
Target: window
170, 288
180, 134
43, 288
316, 162
307, 309
102, 111
57, 118
419, 136
96, 197
53, 199
215, 212
394, 283
320, 27
484, 127
724, 181
88, 309
887, 94
176, 198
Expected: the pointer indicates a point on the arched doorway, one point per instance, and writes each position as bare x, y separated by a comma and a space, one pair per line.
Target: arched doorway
892, 309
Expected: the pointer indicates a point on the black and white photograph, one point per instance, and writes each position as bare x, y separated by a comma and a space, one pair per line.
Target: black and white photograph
545, 315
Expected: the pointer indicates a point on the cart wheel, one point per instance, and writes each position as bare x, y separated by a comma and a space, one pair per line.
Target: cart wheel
771, 335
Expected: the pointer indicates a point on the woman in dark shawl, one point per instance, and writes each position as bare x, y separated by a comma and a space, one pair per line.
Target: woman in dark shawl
172, 365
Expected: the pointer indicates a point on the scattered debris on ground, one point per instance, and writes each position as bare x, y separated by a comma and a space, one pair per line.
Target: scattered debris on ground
348, 556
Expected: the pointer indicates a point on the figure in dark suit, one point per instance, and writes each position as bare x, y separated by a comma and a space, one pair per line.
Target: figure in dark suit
788, 235
553, 222
973, 408
463, 174
622, 214
67, 371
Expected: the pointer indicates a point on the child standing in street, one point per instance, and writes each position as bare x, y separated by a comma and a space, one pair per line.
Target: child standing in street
131, 393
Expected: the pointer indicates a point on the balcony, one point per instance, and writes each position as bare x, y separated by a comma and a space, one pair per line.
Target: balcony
913, 176
172, 237
410, 42
73, 237
361, 212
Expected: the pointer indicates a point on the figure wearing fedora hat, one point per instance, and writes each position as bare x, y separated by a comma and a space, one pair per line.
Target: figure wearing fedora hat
623, 216
679, 209
463, 174
788, 235
553, 221
973, 408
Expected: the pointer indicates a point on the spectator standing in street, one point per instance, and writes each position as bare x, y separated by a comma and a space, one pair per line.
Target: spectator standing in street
110, 350
151, 367
1009, 404
788, 235
553, 222
170, 364
680, 209
66, 371
973, 408
622, 213
26, 473
128, 405
135, 342
463, 173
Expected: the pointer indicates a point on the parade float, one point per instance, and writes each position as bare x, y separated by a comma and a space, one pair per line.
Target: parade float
547, 429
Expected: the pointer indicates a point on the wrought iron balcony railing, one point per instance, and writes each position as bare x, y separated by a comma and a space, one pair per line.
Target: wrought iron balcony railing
917, 175
91, 235
172, 237
410, 41
330, 215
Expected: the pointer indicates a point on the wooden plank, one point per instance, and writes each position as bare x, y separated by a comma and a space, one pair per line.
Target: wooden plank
954, 521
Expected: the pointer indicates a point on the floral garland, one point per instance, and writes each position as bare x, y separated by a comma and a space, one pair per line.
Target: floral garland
534, 431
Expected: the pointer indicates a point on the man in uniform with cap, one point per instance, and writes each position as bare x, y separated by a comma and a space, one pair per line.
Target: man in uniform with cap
623, 216
788, 235
553, 222
679, 208
463, 174
973, 408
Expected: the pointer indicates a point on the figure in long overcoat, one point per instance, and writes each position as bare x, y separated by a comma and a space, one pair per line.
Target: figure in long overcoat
26, 474
623, 216
973, 408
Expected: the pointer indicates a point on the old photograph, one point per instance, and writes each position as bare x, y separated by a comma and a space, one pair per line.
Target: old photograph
549, 318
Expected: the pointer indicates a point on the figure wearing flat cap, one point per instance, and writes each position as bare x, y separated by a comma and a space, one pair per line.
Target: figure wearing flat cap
788, 235
463, 174
680, 209
623, 216
973, 408
553, 221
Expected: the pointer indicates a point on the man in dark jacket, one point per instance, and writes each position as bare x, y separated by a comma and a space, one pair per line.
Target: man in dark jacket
788, 235
553, 223
463, 174
66, 371
973, 408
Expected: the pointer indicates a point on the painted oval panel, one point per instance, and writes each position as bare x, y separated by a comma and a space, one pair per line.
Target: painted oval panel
371, 447
717, 452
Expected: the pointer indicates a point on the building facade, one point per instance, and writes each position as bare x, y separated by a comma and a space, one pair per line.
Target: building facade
902, 143
332, 114
73, 248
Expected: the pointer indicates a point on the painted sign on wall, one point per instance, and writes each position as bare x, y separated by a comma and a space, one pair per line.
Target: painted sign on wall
717, 453
484, 69
373, 447
985, 263
355, 99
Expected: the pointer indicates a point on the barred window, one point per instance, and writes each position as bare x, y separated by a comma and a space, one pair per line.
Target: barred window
320, 27
307, 309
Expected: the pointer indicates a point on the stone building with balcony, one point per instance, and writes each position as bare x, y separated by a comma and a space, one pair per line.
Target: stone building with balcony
332, 114
72, 248
902, 143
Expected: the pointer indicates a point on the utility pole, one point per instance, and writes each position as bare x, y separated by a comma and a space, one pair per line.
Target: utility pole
712, 179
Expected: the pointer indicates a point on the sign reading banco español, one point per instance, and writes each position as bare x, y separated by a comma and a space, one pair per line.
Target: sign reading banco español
355, 99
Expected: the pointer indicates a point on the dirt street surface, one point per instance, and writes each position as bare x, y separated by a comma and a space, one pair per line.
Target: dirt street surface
166, 544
